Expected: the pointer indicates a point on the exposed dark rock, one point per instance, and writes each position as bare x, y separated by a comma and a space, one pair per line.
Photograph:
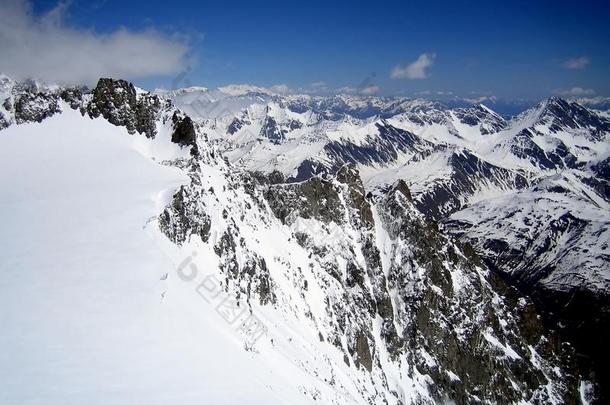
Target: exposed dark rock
186, 216
147, 108
73, 96
350, 176
363, 352
272, 131
561, 114
184, 130
235, 126
581, 320
118, 102
436, 329
380, 150
489, 122
468, 173
32, 105
314, 198
402, 187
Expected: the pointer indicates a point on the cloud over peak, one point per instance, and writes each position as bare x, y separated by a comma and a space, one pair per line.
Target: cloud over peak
415, 70
43, 47
280, 89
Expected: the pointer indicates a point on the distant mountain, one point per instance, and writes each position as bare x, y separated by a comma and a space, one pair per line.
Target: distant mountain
451, 158
468, 168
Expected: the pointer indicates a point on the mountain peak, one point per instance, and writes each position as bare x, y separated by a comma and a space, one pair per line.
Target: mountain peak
561, 114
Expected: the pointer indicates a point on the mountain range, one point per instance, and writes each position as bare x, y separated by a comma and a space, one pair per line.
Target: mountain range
355, 249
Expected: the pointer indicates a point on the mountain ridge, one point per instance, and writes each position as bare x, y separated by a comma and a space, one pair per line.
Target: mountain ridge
385, 258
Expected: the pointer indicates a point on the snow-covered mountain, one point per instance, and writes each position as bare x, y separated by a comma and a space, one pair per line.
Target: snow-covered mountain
530, 193
244, 246
451, 159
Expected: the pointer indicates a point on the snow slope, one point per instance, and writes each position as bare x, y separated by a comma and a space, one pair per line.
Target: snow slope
82, 307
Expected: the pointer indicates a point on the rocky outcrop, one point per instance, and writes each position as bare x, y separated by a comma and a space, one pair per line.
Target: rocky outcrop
483, 342
184, 130
185, 216
314, 198
440, 312
30, 101
272, 131
31, 106
119, 103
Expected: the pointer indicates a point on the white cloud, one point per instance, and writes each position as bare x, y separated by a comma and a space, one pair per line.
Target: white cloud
434, 93
576, 63
45, 48
369, 90
281, 89
365, 91
415, 70
575, 92
346, 90
597, 102
314, 88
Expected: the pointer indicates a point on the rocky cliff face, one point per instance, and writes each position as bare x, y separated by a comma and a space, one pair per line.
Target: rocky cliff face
399, 296
30, 101
118, 102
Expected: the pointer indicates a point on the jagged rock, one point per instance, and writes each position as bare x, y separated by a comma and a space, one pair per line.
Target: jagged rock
455, 336
119, 103
73, 96
402, 187
235, 126
8, 106
272, 131
116, 101
458, 325
32, 105
314, 198
363, 352
186, 216
351, 178
184, 130
147, 108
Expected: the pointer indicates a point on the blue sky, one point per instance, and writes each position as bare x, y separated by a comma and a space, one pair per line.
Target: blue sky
510, 49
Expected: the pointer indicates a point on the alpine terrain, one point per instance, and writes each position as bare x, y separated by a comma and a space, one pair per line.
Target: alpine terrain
235, 245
